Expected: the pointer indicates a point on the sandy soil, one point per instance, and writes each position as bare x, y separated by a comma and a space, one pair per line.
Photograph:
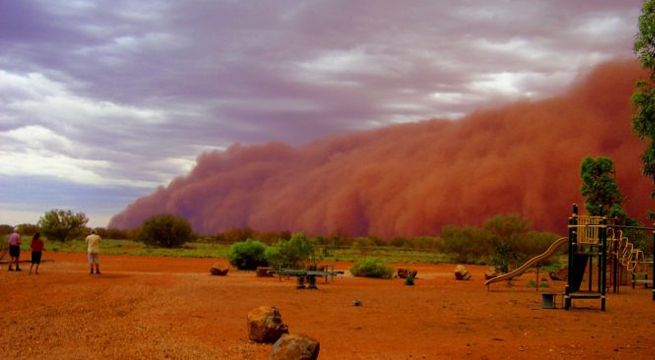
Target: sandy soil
172, 308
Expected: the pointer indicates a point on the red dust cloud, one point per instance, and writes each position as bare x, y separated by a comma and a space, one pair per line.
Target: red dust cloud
412, 179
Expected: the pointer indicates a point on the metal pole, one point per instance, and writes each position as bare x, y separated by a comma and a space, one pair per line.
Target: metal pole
603, 262
591, 272
573, 220
614, 254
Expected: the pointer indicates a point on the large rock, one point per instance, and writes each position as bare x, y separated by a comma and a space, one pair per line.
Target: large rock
461, 273
295, 347
491, 273
218, 270
265, 324
559, 275
263, 271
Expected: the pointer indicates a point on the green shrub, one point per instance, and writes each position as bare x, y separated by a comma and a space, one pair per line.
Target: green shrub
247, 255
409, 280
372, 267
295, 253
165, 230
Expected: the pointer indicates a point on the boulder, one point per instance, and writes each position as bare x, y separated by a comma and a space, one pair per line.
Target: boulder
263, 271
559, 275
491, 273
218, 270
461, 273
295, 347
265, 325
405, 273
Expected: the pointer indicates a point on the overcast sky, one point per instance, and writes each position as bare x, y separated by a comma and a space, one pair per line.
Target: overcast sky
103, 101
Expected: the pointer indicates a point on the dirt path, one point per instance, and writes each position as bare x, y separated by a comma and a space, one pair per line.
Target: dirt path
171, 308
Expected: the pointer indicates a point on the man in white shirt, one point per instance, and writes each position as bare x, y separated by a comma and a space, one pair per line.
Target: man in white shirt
93, 249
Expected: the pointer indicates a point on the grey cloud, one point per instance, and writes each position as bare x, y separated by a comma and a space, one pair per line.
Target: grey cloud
239, 71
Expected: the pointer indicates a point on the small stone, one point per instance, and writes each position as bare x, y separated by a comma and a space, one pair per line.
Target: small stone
357, 302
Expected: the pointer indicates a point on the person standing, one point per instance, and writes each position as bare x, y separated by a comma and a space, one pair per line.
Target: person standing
93, 249
14, 249
37, 250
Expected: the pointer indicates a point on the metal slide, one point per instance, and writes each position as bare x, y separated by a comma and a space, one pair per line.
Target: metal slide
530, 263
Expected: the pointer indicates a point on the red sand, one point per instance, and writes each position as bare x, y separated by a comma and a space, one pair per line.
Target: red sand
171, 307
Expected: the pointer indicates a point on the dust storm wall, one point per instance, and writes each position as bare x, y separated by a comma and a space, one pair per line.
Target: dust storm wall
412, 179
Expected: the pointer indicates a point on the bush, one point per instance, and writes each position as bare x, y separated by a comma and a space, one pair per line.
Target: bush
467, 244
372, 267
6, 229
409, 280
112, 233
294, 253
62, 225
506, 233
166, 231
27, 229
247, 255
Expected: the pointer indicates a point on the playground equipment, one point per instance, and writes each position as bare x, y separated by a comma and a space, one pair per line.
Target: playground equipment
535, 261
589, 248
588, 242
624, 256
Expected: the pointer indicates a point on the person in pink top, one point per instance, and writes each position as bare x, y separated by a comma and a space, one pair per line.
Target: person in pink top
37, 250
14, 249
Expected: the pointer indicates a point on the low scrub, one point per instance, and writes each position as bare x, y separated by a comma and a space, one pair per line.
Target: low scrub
372, 267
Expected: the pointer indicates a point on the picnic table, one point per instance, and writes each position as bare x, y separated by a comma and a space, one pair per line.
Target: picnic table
308, 275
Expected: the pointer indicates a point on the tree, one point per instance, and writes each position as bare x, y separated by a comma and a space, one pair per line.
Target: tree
599, 187
506, 233
165, 230
62, 225
294, 253
643, 98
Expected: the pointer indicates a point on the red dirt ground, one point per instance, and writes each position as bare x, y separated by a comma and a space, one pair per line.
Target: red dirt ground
145, 307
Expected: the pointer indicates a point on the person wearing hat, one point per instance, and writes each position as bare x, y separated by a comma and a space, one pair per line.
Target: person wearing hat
14, 249
93, 249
